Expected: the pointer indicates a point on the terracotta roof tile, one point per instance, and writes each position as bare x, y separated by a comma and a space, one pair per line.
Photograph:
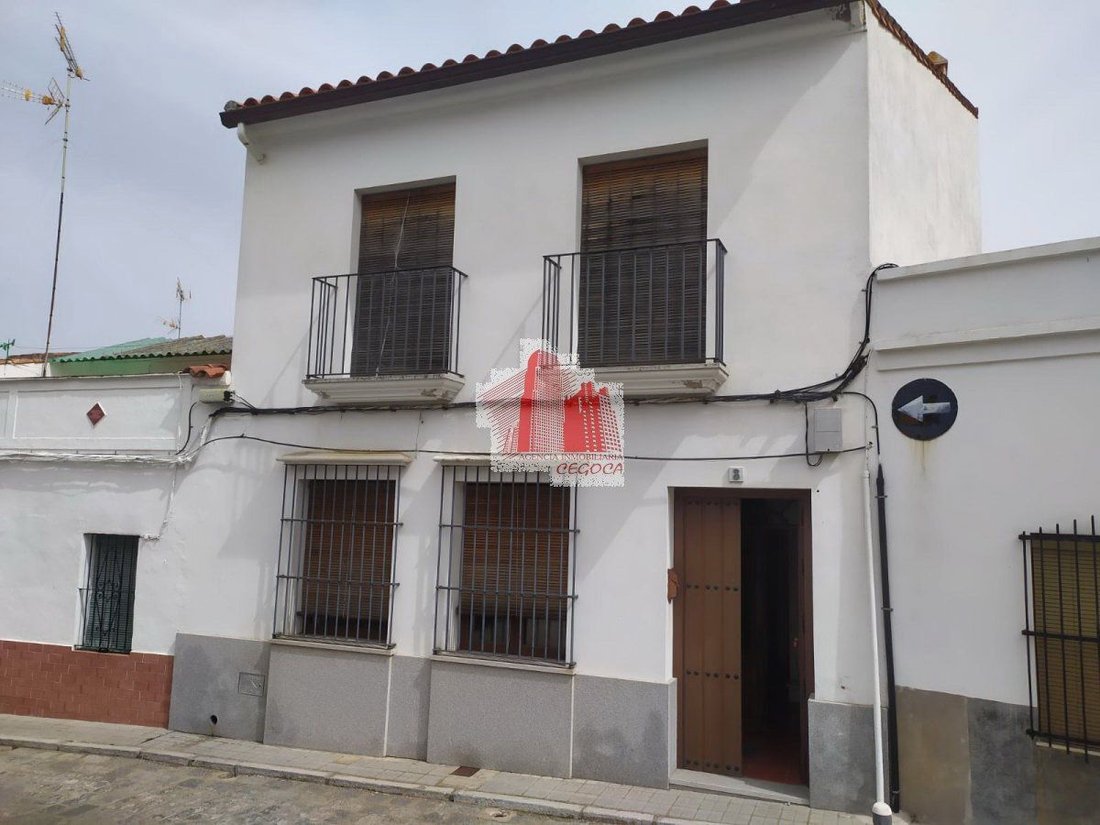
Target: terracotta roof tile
664, 26
207, 370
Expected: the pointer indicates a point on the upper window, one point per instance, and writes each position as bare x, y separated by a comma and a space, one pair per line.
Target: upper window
1065, 637
643, 262
107, 598
403, 300
335, 576
505, 586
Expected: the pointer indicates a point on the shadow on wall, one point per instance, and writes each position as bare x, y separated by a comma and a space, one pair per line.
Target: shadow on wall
606, 754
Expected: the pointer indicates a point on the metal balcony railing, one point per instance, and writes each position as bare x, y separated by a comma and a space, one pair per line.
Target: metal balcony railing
647, 305
399, 322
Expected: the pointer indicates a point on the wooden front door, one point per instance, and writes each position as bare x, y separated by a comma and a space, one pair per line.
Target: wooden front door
707, 631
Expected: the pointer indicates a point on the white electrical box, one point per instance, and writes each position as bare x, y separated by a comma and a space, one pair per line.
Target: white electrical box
826, 433
735, 475
216, 395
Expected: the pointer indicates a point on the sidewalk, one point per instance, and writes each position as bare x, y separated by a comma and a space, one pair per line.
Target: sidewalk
570, 798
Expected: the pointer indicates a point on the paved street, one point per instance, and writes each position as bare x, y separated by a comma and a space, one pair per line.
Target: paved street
95, 772
41, 786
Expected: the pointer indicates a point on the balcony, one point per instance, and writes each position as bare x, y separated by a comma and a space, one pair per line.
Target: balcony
650, 317
386, 337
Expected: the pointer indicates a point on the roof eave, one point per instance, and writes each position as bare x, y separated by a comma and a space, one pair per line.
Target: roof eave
552, 54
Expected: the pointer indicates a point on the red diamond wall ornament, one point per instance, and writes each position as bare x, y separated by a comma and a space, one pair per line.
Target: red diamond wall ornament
95, 414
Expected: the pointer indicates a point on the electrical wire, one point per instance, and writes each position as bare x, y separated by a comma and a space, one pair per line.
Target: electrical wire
820, 458
190, 424
417, 450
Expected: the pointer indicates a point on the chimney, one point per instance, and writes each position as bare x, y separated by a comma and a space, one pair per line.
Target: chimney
939, 62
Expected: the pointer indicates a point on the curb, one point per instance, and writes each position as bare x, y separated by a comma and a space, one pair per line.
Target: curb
167, 757
521, 803
613, 815
384, 786
546, 807
27, 742
126, 751
279, 772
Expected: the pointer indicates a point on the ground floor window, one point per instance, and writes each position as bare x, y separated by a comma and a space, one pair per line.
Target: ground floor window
336, 552
107, 598
505, 583
1063, 629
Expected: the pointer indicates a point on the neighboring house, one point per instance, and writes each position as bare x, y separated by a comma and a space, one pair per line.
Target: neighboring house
995, 614
90, 472
692, 205
146, 356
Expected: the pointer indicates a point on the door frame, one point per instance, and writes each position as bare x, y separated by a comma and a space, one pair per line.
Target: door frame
805, 597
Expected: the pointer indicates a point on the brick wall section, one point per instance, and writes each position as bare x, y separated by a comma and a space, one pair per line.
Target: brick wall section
57, 681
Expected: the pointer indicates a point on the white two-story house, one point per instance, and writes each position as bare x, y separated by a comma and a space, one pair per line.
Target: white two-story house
692, 205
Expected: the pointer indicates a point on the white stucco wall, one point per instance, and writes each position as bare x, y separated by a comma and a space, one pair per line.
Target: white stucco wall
791, 209
47, 507
1016, 336
923, 152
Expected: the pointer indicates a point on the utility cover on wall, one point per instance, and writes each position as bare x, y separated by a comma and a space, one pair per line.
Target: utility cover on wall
924, 409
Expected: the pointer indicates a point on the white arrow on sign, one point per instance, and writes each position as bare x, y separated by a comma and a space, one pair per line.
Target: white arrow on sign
918, 408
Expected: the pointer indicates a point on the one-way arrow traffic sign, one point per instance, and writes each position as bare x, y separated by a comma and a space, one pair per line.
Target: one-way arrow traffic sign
924, 409
918, 408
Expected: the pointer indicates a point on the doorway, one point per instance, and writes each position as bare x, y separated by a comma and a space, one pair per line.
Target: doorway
742, 646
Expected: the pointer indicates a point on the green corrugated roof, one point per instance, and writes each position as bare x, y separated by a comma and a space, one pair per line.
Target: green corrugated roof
155, 348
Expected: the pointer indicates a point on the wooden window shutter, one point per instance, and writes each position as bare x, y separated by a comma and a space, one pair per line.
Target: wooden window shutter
347, 567
1065, 586
403, 305
515, 550
643, 261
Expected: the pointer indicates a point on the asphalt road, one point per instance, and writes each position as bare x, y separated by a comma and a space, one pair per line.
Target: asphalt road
40, 786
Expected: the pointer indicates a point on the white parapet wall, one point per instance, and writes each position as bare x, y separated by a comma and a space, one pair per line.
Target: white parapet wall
1016, 336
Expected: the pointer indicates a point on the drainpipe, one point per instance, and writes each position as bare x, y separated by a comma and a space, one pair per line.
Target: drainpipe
880, 811
888, 642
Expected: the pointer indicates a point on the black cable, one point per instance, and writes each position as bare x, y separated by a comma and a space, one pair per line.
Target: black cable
244, 437
187, 440
874, 409
820, 457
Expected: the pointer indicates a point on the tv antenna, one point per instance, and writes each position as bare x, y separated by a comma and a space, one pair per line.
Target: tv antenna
182, 295
57, 100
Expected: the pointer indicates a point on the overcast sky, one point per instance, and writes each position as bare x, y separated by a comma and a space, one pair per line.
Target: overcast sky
154, 183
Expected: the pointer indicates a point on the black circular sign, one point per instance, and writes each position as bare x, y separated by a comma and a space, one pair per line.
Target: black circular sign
924, 409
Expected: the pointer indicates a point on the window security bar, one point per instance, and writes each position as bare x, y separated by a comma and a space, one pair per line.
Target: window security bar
506, 577
1062, 627
107, 598
397, 322
643, 305
337, 550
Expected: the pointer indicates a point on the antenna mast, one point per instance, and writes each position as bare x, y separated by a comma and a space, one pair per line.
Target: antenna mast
72, 70
176, 325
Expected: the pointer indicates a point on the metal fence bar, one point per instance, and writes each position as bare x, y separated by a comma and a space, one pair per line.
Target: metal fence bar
505, 569
1044, 631
394, 322
638, 305
107, 598
337, 554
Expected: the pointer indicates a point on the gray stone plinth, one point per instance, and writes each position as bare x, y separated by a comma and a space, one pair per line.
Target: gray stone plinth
206, 682
621, 731
492, 717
